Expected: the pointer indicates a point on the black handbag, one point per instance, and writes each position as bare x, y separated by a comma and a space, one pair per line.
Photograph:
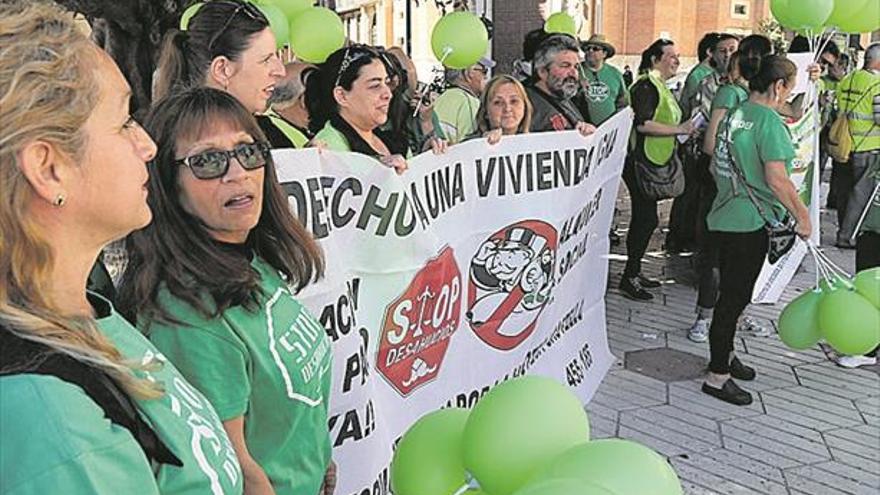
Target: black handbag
663, 182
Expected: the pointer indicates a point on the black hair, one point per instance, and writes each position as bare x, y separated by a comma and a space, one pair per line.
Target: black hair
770, 69
799, 44
531, 42
753, 49
177, 252
218, 28
655, 50
724, 37
706, 45
341, 68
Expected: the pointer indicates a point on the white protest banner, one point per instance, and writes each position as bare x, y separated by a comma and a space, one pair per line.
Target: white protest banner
805, 176
473, 267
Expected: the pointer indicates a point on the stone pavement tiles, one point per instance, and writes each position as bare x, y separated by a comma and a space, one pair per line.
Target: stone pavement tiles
813, 429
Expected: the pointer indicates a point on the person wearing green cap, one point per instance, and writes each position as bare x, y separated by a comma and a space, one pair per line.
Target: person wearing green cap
604, 90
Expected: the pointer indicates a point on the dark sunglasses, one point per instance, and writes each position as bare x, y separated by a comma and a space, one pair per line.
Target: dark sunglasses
245, 7
593, 48
214, 164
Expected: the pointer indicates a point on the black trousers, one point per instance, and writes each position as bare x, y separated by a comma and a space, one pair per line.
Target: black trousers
706, 261
643, 221
683, 217
868, 256
740, 258
842, 181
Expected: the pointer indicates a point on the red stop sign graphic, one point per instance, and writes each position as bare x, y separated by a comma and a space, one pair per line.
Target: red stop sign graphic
418, 325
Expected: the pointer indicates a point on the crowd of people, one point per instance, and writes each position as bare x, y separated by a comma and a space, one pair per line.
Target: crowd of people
156, 379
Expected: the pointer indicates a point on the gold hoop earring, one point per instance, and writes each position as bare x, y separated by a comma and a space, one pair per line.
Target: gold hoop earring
59, 200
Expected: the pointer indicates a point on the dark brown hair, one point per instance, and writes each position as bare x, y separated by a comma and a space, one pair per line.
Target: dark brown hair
218, 28
654, 51
770, 69
177, 252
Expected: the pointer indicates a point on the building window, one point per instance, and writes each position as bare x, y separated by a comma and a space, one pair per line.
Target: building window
739, 9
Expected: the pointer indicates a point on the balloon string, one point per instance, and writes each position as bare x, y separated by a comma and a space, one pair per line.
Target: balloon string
447, 51
828, 36
864, 214
463, 489
838, 269
470, 484
831, 269
821, 267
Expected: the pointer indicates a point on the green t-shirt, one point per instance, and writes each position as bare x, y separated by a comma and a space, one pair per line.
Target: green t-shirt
271, 366
42, 450
748, 138
605, 89
692, 87
91, 455
457, 111
334, 139
729, 96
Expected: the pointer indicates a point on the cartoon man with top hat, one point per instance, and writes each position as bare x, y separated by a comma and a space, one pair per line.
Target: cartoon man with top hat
511, 279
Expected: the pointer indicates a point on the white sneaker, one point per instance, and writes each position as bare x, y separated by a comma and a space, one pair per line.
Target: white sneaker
751, 326
700, 331
856, 361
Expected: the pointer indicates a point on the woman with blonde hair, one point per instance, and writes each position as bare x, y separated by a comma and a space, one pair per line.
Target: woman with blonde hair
87, 404
505, 109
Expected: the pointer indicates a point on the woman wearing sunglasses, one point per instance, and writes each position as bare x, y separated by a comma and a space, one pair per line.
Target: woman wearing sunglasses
87, 404
348, 99
227, 45
211, 282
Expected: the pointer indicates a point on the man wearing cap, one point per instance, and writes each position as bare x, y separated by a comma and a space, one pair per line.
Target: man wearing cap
555, 82
457, 107
604, 90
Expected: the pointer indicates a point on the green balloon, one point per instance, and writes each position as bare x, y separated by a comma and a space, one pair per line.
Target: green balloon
867, 284
561, 22
562, 486
188, 13
865, 20
620, 466
459, 40
799, 321
315, 33
849, 322
428, 458
517, 428
290, 8
277, 23
842, 11
802, 14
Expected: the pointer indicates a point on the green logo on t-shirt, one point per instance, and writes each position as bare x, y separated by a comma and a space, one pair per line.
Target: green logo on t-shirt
598, 91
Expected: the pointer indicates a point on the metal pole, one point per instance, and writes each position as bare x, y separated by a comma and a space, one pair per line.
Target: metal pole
409, 28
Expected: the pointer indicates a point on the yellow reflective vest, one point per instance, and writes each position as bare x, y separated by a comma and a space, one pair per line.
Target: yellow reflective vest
659, 149
856, 94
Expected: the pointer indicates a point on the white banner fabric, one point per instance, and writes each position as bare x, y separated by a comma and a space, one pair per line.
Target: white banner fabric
473, 267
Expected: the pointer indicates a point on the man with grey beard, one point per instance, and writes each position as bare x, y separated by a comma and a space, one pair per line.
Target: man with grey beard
555, 82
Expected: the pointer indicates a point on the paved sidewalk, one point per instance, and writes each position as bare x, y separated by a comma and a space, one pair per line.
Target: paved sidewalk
814, 428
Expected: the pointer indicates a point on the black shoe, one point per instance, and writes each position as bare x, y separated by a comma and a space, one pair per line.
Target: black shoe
648, 283
614, 237
740, 371
632, 288
730, 393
